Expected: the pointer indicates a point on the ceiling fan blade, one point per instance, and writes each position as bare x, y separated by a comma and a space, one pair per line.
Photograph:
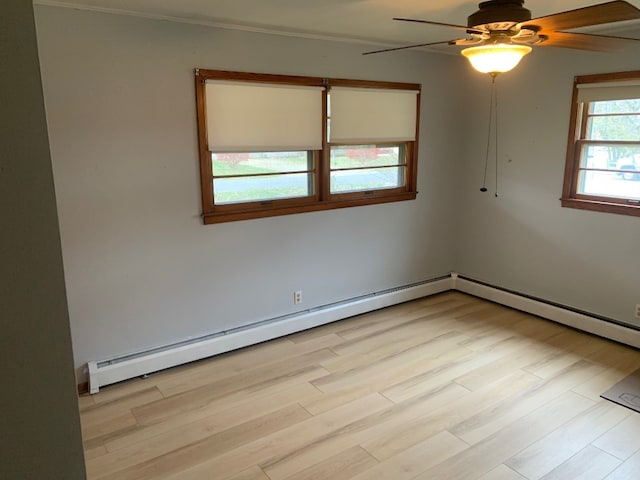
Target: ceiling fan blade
429, 22
586, 41
617, 11
450, 42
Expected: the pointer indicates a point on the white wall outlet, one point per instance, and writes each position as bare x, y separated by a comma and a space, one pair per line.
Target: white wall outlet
297, 297
638, 310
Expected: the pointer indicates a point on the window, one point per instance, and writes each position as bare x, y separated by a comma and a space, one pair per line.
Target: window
370, 131
603, 155
367, 168
275, 145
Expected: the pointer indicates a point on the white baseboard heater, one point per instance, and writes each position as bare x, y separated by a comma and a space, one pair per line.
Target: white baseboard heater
585, 321
115, 370
111, 371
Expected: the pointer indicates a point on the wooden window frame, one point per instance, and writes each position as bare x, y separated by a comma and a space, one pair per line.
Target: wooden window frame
571, 198
322, 198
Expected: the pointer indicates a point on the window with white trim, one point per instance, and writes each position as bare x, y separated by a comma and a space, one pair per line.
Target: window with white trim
602, 171
274, 145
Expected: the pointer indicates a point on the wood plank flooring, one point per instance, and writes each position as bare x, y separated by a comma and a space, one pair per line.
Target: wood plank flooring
445, 387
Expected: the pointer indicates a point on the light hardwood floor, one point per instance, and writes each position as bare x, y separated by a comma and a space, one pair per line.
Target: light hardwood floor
446, 387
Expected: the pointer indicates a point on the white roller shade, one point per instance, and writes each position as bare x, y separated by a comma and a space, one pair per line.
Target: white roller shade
364, 115
600, 92
246, 117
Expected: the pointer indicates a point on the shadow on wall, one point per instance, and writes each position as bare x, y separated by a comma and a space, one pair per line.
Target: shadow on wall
558, 254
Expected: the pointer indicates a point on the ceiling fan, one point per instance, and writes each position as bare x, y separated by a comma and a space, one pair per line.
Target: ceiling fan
501, 32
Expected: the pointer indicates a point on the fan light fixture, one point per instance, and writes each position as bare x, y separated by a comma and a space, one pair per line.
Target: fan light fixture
496, 58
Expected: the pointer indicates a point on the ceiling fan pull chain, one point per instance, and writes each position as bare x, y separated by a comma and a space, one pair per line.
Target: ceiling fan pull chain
495, 96
486, 156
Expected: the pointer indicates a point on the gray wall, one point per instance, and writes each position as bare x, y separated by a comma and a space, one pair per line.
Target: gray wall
39, 420
524, 240
142, 270
140, 267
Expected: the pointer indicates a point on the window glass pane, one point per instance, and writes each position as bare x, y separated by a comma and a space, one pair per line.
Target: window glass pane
614, 127
599, 156
609, 184
615, 106
358, 156
621, 158
270, 187
225, 164
366, 179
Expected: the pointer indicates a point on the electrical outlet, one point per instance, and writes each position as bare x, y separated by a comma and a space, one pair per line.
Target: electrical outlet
638, 310
297, 297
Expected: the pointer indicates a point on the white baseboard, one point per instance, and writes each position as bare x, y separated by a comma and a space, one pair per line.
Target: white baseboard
565, 316
107, 372
115, 370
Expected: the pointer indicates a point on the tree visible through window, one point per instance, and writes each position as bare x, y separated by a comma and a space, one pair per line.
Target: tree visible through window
603, 154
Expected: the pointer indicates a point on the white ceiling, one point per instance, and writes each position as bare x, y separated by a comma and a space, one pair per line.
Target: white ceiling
366, 21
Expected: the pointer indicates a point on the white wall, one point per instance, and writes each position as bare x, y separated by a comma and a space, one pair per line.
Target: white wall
40, 424
141, 269
524, 240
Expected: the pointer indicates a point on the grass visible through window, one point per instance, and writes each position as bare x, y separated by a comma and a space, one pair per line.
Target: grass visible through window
261, 176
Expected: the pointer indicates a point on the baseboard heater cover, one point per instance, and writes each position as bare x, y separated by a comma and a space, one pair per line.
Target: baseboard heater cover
107, 372
597, 325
